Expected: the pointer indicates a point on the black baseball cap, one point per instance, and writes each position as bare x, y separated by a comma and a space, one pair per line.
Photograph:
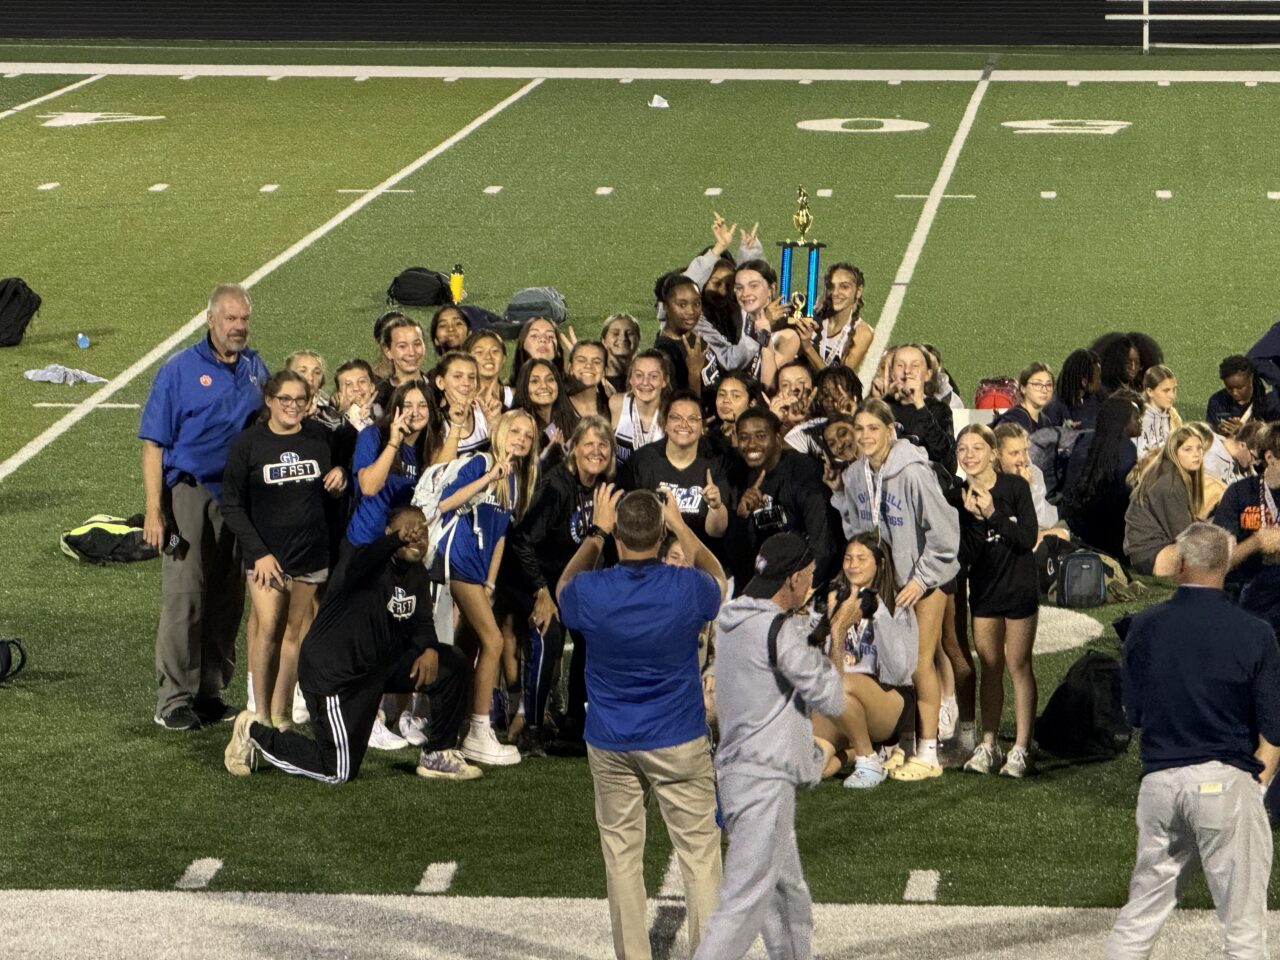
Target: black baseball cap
780, 556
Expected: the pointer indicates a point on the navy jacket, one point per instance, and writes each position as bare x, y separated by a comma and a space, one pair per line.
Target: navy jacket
1202, 681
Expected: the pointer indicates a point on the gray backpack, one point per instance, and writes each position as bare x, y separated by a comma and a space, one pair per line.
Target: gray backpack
533, 302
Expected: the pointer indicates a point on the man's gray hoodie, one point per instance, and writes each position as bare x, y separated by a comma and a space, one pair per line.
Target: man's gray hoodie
921, 528
764, 710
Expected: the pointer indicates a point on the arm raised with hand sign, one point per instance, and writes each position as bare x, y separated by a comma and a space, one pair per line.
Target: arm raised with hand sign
717, 512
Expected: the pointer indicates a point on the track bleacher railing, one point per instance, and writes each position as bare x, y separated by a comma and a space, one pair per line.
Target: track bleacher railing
1198, 24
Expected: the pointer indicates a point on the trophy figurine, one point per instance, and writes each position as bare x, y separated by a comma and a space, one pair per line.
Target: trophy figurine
798, 302
803, 220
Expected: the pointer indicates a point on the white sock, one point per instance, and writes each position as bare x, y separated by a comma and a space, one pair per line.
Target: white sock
927, 751
479, 723
967, 735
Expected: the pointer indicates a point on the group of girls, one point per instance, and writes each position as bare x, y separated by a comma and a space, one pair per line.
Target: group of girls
939, 529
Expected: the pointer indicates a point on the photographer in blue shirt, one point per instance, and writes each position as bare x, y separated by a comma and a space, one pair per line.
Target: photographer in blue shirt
201, 399
646, 723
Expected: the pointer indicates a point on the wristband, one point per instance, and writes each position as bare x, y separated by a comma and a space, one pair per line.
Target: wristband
595, 530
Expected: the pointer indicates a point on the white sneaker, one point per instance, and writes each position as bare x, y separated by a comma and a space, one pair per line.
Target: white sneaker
300, 714
986, 759
380, 738
482, 746
413, 729
948, 716
1018, 765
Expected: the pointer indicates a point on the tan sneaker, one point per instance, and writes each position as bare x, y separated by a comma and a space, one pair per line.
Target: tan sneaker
238, 757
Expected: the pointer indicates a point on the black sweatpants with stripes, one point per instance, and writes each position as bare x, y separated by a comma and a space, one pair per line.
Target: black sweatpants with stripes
342, 721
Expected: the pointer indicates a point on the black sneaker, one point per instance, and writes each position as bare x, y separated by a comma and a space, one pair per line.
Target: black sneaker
529, 741
214, 710
181, 717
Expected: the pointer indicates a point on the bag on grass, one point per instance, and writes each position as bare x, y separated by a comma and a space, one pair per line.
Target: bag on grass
104, 539
997, 393
1084, 718
12, 658
1081, 580
18, 304
533, 302
419, 287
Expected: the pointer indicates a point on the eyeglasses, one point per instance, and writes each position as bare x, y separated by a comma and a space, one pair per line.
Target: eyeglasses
1040, 384
290, 401
676, 421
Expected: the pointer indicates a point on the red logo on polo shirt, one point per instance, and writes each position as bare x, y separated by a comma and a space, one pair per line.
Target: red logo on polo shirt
206, 381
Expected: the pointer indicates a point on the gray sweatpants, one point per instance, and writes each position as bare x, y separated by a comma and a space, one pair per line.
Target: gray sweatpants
763, 890
1213, 811
202, 600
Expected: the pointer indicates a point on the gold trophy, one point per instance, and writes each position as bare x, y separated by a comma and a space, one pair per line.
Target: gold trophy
803, 217
798, 301
801, 303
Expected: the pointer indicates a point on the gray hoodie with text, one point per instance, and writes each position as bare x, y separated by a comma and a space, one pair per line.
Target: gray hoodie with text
922, 529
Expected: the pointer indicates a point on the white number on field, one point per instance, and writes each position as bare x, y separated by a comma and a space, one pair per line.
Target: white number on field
863, 125
1100, 127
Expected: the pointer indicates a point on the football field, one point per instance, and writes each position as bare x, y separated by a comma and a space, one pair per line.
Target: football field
1006, 206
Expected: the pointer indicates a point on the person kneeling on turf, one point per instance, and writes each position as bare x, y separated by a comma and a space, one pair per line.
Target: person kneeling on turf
373, 634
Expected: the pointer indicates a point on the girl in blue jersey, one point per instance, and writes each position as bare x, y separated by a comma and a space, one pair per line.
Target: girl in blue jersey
388, 457
476, 508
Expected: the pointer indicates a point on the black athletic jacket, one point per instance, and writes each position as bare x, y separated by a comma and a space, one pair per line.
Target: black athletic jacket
376, 608
557, 521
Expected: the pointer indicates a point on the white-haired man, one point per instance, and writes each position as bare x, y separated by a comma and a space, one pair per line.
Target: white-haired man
1202, 682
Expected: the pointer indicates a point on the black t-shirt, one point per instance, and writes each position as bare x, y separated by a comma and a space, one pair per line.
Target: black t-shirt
273, 496
649, 469
997, 552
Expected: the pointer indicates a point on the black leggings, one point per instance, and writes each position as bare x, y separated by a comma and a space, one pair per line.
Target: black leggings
542, 660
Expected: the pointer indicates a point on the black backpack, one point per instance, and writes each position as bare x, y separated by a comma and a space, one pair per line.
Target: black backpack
106, 539
1084, 718
419, 287
12, 659
18, 304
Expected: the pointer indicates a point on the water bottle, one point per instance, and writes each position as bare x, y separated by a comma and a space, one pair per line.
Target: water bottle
82, 341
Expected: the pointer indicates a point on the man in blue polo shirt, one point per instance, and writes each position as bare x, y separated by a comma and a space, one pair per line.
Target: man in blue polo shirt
201, 399
646, 723
1202, 681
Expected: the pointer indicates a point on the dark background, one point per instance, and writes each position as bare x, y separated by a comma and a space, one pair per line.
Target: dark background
917, 22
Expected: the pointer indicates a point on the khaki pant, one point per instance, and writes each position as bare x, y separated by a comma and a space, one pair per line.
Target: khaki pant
1212, 811
683, 779
202, 601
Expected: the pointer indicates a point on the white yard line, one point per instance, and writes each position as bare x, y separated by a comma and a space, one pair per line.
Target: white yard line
518, 72
199, 873
906, 270
922, 887
101, 406
56, 93
513, 72
672, 881
436, 878
69, 925
176, 339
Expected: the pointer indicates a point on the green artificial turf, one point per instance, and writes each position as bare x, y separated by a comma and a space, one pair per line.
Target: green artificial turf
107, 799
